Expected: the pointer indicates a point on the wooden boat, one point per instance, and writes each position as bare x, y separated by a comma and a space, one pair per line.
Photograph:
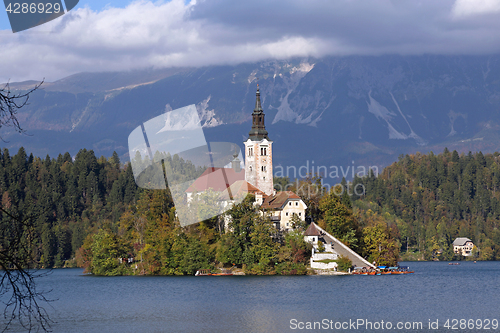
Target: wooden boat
382, 270
207, 272
203, 272
398, 270
359, 271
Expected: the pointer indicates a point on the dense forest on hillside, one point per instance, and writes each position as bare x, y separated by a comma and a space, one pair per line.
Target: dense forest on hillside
88, 211
432, 199
66, 198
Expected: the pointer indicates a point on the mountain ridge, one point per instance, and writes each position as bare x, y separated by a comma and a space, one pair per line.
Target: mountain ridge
333, 110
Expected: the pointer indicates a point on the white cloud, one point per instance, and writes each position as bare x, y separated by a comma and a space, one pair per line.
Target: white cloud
165, 34
471, 7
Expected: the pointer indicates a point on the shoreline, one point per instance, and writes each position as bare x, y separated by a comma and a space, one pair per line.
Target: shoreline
329, 272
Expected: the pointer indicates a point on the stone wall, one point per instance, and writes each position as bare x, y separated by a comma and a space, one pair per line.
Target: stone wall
322, 265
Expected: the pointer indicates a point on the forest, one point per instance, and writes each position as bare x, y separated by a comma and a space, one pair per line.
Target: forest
88, 212
432, 199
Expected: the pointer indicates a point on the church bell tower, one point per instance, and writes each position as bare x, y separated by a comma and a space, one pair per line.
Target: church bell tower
259, 152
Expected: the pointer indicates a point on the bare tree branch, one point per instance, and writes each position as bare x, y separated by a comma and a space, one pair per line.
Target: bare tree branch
18, 240
22, 300
18, 291
10, 104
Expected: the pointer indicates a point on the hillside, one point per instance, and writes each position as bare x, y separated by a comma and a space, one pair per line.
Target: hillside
432, 199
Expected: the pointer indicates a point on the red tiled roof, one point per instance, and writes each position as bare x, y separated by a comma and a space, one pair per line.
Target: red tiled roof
278, 200
213, 178
240, 188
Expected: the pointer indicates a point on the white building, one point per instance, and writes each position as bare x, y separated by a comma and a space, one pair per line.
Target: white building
282, 206
463, 246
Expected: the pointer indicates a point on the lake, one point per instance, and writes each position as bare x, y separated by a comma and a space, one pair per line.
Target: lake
435, 292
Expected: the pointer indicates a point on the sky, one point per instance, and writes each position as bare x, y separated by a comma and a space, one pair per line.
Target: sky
125, 35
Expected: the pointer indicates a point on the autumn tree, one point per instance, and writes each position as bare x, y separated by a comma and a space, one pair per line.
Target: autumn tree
380, 240
106, 251
338, 220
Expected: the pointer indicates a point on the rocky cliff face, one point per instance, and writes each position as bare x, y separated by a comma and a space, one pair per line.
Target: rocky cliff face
331, 110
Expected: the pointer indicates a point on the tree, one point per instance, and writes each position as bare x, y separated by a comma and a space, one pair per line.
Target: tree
237, 241
344, 264
10, 104
380, 243
105, 253
293, 256
17, 282
262, 244
338, 219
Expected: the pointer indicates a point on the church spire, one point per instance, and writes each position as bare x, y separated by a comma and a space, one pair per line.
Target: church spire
258, 131
258, 107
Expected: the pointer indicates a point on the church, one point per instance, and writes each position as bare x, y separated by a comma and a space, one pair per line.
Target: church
257, 178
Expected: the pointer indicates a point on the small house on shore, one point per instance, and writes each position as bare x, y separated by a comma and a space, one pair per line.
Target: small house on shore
463, 246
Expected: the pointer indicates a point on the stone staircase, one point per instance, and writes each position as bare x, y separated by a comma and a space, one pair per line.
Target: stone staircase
334, 245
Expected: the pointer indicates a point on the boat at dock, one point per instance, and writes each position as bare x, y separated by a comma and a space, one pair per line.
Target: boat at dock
382, 270
207, 272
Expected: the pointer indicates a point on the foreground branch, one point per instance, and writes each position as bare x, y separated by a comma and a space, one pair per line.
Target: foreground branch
18, 292
10, 104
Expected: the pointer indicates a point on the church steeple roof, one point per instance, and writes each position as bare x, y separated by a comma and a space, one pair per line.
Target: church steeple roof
258, 107
258, 131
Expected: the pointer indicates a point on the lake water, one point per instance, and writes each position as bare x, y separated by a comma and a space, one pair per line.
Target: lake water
435, 292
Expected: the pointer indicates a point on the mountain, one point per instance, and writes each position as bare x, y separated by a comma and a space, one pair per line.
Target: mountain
331, 112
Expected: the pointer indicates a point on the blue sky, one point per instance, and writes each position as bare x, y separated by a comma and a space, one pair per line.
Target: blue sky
96, 5
124, 35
